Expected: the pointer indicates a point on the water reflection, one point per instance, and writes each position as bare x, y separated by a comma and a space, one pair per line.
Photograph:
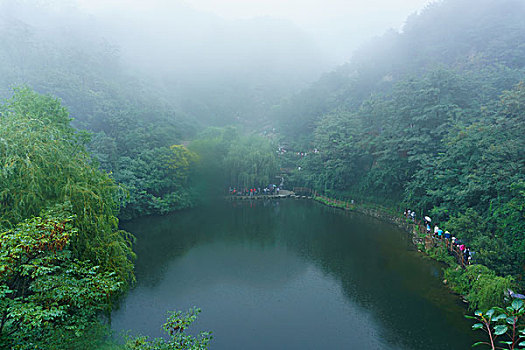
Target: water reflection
290, 274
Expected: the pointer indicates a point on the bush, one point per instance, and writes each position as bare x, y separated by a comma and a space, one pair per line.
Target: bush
481, 286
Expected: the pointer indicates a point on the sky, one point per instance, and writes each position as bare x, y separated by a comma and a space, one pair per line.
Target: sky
337, 26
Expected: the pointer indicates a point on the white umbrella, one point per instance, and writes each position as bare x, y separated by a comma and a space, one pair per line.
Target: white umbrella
428, 219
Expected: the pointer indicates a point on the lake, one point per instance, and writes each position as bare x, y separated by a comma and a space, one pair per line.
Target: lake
290, 274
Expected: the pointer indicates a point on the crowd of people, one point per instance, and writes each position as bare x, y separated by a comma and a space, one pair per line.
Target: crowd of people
271, 189
453, 244
282, 150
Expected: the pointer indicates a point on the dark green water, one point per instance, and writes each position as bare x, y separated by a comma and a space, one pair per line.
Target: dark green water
290, 275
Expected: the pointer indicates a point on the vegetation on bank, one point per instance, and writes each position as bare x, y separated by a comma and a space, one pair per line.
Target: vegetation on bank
480, 286
334, 202
63, 260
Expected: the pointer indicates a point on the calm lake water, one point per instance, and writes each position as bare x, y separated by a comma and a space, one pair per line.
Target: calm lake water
290, 274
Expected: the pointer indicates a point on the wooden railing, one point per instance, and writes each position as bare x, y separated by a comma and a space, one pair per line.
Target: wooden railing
430, 241
303, 191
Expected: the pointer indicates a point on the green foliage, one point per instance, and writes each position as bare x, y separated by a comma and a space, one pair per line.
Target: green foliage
440, 253
180, 162
442, 134
334, 203
508, 322
481, 286
48, 296
43, 163
154, 172
177, 323
487, 288
157, 180
340, 164
509, 222
467, 226
36, 141
251, 162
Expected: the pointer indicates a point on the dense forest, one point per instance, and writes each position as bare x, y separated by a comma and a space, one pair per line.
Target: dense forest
431, 118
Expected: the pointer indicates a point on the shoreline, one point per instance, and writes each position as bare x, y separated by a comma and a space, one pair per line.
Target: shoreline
454, 272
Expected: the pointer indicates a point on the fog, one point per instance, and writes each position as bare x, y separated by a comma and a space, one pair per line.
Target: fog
225, 53
312, 36
336, 27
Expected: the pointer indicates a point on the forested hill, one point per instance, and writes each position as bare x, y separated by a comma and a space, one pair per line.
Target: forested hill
480, 40
432, 116
131, 122
84, 70
143, 84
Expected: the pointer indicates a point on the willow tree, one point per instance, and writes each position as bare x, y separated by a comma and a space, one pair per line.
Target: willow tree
251, 162
43, 163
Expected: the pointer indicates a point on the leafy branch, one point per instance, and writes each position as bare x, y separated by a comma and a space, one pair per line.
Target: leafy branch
502, 322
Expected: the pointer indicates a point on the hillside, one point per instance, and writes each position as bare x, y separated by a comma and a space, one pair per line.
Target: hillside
432, 117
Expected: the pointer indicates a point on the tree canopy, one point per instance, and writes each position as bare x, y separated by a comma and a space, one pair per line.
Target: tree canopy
63, 259
431, 117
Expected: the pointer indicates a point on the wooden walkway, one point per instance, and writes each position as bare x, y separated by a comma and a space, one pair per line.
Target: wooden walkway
431, 241
282, 194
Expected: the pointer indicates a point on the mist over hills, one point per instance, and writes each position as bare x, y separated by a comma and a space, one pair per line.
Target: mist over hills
462, 35
215, 70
